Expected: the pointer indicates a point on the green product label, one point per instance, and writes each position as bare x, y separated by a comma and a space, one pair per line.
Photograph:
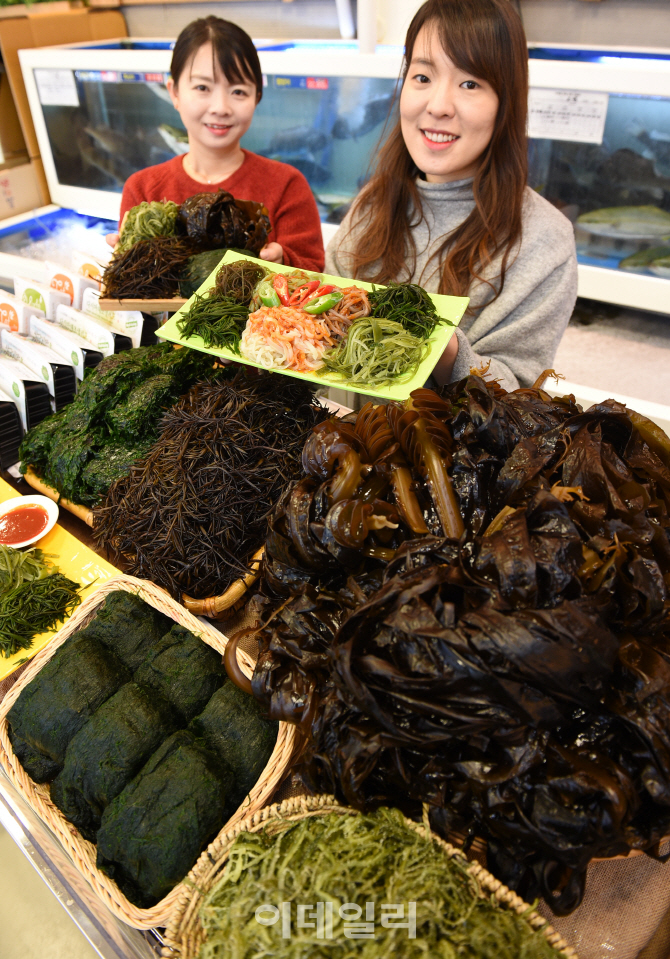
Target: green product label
45, 373
74, 358
33, 298
15, 389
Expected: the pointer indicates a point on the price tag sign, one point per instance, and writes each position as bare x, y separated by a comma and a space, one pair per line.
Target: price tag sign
56, 88
567, 115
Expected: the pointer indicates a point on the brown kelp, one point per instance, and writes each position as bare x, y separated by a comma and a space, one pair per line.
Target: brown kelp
190, 515
214, 220
151, 269
469, 608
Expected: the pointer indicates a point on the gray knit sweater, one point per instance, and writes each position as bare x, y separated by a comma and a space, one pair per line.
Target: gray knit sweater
520, 331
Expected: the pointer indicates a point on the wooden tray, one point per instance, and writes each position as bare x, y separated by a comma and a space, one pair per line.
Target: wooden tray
82, 512
82, 852
145, 306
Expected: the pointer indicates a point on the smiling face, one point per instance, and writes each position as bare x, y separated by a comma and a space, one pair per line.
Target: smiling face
215, 112
447, 116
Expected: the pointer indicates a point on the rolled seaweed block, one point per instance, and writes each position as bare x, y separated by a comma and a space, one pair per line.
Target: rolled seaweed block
108, 752
60, 700
129, 627
232, 725
154, 831
39, 767
183, 669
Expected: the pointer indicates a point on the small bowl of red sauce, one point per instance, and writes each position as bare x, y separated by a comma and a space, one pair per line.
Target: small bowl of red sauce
25, 519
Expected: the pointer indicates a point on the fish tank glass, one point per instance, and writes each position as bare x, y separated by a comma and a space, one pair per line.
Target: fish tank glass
119, 122
616, 192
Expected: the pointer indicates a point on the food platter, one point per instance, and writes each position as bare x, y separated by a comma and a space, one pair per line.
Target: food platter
450, 308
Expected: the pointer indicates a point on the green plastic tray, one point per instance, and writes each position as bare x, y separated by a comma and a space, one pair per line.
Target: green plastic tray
449, 307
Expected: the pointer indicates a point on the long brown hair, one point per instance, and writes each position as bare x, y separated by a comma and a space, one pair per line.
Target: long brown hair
486, 39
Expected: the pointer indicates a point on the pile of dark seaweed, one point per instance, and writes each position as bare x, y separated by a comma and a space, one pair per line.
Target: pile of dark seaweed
191, 514
160, 266
467, 606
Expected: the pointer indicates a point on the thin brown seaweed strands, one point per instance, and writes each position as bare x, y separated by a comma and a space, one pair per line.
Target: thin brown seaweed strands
192, 513
149, 269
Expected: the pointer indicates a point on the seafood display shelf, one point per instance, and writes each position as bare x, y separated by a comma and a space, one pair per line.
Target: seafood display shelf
601, 151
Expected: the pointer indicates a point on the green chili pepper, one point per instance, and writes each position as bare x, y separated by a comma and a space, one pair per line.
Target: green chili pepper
268, 294
323, 303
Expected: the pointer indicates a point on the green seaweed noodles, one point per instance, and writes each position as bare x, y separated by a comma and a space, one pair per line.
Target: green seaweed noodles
358, 859
219, 320
32, 608
147, 220
376, 352
408, 304
22, 566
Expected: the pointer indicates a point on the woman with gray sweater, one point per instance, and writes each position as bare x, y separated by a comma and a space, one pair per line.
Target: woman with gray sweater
448, 206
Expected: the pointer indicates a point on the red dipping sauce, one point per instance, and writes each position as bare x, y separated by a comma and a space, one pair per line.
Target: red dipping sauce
22, 523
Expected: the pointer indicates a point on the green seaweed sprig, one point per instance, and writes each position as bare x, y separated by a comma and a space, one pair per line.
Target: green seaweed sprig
219, 320
409, 305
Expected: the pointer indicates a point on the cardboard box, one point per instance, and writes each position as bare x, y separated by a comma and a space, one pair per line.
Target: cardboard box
19, 189
48, 30
12, 144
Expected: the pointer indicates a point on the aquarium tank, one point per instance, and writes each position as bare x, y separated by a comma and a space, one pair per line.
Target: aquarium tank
103, 125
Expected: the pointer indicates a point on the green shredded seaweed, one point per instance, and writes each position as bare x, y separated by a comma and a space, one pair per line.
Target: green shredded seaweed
377, 351
147, 220
361, 859
32, 608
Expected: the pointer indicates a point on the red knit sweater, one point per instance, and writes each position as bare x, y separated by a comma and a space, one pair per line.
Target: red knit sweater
283, 189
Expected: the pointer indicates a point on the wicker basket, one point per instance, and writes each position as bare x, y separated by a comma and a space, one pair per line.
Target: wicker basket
184, 934
82, 852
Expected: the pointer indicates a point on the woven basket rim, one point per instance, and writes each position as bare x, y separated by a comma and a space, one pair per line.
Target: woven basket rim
83, 853
184, 934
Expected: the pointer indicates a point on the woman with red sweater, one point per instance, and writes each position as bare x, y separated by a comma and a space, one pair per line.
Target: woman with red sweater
215, 85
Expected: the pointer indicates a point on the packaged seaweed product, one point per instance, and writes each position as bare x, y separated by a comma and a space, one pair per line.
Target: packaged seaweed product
129, 627
183, 669
108, 752
153, 832
59, 701
233, 726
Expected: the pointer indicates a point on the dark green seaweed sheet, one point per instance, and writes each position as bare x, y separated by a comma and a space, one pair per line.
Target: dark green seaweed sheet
154, 831
183, 669
149, 399
59, 701
111, 463
232, 725
108, 752
129, 627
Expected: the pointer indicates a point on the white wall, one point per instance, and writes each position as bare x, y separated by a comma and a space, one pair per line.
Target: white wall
618, 22
264, 18
632, 23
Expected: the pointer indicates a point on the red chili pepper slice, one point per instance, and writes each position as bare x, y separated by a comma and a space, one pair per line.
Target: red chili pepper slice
280, 284
303, 292
320, 291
